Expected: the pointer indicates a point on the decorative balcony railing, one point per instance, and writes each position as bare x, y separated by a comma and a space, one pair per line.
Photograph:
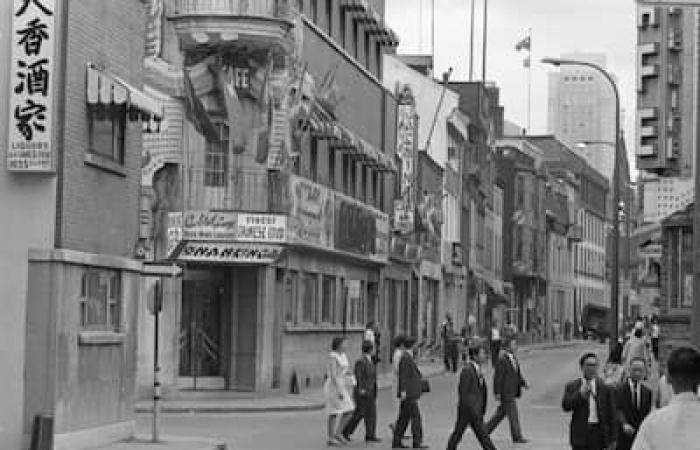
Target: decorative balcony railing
238, 190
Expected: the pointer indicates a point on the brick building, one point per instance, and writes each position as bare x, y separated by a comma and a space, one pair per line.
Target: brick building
71, 281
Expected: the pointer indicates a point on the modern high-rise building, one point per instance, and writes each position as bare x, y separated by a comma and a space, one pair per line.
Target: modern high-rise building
581, 111
662, 196
667, 79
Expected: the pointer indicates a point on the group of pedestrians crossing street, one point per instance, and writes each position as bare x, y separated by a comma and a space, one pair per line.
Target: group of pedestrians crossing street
621, 413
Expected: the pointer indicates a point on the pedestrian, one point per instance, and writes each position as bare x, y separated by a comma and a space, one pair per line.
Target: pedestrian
365, 396
508, 383
635, 348
472, 393
676, 425
339, 403
410, 389
633, 402
495, 344
369, 333
395, 360
592, 404
655, 334
449, 344
567, 329
377, 343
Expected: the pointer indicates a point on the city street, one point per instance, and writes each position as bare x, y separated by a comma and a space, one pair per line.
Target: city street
543, 421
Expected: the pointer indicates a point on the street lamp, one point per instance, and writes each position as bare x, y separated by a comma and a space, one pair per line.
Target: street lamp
615, 288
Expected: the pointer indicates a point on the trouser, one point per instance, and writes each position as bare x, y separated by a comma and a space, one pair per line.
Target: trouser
466, 418
495, 348
365, 408
655, 348
408, 412
506, 408
450, 356
596, 441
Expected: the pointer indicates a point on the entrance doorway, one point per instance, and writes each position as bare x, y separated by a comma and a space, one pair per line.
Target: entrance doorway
201, 329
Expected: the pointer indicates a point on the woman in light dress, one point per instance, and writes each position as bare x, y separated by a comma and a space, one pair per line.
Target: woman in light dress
339, 382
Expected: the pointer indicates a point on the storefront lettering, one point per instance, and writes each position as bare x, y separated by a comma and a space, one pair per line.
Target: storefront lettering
210, 219
230, 253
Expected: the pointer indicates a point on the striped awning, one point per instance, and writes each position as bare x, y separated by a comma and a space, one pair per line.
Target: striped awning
362, 11
107, 90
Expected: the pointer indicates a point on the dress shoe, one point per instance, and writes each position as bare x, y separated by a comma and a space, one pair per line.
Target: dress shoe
399, 446
373, 439
420, 446
521, 441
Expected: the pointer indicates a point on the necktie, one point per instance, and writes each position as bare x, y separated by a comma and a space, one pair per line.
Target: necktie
636, 395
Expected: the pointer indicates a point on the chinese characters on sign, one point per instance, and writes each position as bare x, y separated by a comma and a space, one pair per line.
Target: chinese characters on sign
404, 205
31, 99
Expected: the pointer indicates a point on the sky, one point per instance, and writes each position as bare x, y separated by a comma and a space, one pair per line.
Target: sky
558, 27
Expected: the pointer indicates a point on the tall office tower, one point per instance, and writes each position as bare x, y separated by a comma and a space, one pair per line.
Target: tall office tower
667, 80
581, 111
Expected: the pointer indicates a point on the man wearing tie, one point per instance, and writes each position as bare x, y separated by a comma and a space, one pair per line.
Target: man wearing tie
508, 384
592, 404
472, 401
633, 404
365, 395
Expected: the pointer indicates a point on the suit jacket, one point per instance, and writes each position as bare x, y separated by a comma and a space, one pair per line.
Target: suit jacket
472, 391
628, 413
409, 378
366, 375
507, 380
574, 402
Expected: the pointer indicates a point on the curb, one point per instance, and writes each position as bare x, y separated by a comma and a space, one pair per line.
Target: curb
179, 442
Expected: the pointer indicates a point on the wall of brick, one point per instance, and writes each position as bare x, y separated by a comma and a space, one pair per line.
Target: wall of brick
100, 208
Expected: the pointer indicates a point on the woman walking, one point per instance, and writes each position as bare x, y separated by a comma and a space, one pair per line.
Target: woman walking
339, 382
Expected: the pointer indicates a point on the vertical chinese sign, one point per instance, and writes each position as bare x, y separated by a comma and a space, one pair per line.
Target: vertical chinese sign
404, 206
32, 84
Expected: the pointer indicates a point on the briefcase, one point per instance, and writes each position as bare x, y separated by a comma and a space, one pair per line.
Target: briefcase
424, 386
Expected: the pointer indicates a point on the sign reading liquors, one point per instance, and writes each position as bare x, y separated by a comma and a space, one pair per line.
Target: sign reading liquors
33, 40
230, 253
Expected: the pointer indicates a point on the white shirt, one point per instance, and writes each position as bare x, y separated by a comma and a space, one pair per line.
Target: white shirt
477, 367
592, 405
636, 394
495, 334
655, 331
369, 336
672, 427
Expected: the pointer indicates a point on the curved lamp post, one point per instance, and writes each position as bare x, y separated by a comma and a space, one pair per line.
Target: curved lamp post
615, 288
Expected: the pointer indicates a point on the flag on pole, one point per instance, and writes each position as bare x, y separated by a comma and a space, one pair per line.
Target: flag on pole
197, 114
524, 44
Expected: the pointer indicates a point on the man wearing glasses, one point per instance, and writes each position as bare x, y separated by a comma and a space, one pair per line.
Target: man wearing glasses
592, 405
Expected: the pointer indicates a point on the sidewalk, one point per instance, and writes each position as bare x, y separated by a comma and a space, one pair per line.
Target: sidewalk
169, 443
222, 402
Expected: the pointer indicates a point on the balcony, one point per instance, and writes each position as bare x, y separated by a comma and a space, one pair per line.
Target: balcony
257, 24
646, 150
239, 190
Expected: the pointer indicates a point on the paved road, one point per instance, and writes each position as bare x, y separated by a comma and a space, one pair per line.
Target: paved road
543, 421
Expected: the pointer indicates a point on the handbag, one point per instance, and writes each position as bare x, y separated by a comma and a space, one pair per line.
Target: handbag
424, 386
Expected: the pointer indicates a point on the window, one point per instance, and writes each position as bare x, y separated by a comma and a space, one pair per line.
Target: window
308, 306
356, 302
353, 178
106, 134
328, 302
375, 189
378, 56
368, 52
331, 169
329, 17
343, 28
313, 159
363, 188
215, 160
356, 39
100, 300
314, 11
291, 297
346, 173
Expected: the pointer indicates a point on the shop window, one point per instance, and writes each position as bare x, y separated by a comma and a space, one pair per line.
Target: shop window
106, 134
100, 300
346, 172
363, 188
313, 159
314, 11
331, 169
329, 17
291, 297
343, 28
215, 161
328, 300
310, 295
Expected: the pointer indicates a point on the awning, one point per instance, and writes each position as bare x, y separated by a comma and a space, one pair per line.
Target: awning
363, 12
107, 90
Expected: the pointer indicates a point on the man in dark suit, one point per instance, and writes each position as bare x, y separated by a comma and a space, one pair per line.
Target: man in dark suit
593, 422
508, 383
633, 403
409, 391
365, 396
472, 401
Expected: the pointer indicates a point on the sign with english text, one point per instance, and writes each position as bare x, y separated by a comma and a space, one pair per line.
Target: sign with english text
33, 41
234, 227
240, 253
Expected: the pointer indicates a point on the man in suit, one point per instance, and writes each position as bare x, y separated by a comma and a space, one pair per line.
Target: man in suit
472, 401
508, 384
633, 403
365, 395
409, 392
592, 403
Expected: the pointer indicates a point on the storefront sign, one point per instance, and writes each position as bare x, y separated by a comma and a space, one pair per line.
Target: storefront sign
381, 246
270, 228
230, 253
311, 216
174, 232
31, 89
406, 128
209, 225
356, 228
